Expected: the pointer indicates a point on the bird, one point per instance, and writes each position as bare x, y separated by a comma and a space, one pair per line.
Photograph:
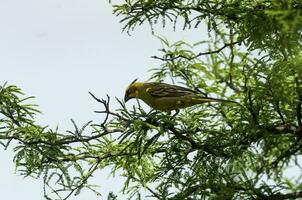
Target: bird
167, 97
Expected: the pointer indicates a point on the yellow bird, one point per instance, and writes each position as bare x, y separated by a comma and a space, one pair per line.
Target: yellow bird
166, 97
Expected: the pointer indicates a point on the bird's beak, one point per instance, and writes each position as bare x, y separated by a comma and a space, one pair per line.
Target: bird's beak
126, 98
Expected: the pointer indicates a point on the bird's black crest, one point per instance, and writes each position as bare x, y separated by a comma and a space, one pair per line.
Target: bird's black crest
134, 81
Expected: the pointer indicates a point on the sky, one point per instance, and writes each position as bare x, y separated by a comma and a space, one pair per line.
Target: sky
57, 51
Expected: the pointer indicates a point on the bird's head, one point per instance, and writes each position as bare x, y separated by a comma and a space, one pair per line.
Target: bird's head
132, 91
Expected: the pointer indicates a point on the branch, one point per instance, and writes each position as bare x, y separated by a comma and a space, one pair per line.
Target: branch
251, 108
292, 150
299, 104
197, 55
282, 129
195, 145
185, 194
91, 170
280, 196
63, 141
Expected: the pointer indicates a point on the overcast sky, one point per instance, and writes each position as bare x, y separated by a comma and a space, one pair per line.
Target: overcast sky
57, 51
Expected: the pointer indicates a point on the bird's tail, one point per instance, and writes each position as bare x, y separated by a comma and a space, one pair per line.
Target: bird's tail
210, 99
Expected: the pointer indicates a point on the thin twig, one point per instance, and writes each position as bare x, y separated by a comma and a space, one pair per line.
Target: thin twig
197, 55
91, 170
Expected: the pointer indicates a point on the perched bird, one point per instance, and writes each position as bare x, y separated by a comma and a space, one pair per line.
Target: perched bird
166, 97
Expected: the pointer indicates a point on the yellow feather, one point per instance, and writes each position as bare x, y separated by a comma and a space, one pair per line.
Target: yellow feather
166, 97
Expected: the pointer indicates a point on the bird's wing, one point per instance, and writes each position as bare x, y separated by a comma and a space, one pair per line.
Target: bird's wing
167, 90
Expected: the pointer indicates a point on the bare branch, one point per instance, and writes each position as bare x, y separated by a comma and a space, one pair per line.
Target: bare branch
199, 54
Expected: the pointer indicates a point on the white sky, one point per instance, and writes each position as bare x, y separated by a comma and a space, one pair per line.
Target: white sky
57, 51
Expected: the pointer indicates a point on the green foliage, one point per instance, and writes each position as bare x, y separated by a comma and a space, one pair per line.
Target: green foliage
213, 151
265, 25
